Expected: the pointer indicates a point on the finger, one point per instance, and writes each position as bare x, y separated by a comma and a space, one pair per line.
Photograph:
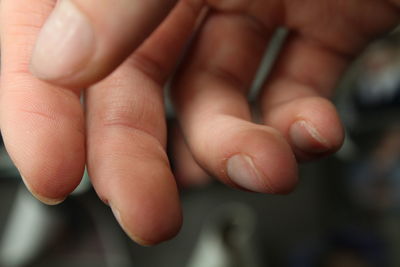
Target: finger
83, 41
295, 100
127, 162
186, 170
210, 99
42, 125
126, 140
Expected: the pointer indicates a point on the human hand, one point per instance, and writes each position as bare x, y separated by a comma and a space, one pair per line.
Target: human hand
210, 92
119, 132
44, 125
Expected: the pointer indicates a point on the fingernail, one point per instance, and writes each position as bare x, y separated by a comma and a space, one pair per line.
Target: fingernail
307, 138
116, 213
118, 217
242, 171
64, 44
45, 200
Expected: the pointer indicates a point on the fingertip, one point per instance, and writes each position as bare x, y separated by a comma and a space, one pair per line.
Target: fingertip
49, 192
146, 238
51, 201
145, 201
47, 201
117, 215
274, 159
248, 156
306, 137
242, 171
50, 176
147, 225
310, 124
317, 130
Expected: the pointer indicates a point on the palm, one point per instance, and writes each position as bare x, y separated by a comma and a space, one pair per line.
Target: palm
343, 26
340, 28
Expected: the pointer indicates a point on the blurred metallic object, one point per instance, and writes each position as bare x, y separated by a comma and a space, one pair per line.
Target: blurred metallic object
227, 239
368, 97
271, 54
379, 77
7, 168
28, 230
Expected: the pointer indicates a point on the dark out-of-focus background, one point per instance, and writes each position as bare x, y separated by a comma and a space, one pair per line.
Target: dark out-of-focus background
344, 213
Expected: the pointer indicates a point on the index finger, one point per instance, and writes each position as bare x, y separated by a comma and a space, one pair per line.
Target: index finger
42, 125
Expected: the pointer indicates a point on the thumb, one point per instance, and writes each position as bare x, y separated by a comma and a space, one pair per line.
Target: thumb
83, 41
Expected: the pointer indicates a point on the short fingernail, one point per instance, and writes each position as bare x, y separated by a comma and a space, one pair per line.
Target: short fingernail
307, 138
118, 217
45, 200
242, 171
116, 213
64, 44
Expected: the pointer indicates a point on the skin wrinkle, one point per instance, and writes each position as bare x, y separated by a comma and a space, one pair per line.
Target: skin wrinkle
272, 103
23, 47
37, 13
134, 127
122, 109
145, 153
43, 113
148, 66
132, 115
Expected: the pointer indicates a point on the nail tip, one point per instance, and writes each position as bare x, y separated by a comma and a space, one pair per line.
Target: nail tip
43, 199
141, 242
49, 201
46, 200
307, 138
38, 74
242, 171
133, 237
315, 133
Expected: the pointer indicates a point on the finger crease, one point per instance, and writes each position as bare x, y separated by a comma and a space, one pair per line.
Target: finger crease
226, 76
148, 66
132, 127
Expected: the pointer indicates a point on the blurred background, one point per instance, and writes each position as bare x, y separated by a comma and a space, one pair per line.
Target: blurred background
345, 211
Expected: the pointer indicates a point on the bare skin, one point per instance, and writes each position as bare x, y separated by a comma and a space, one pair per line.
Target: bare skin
120, 133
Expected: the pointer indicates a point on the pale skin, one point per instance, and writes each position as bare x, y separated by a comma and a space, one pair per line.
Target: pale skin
120, 133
